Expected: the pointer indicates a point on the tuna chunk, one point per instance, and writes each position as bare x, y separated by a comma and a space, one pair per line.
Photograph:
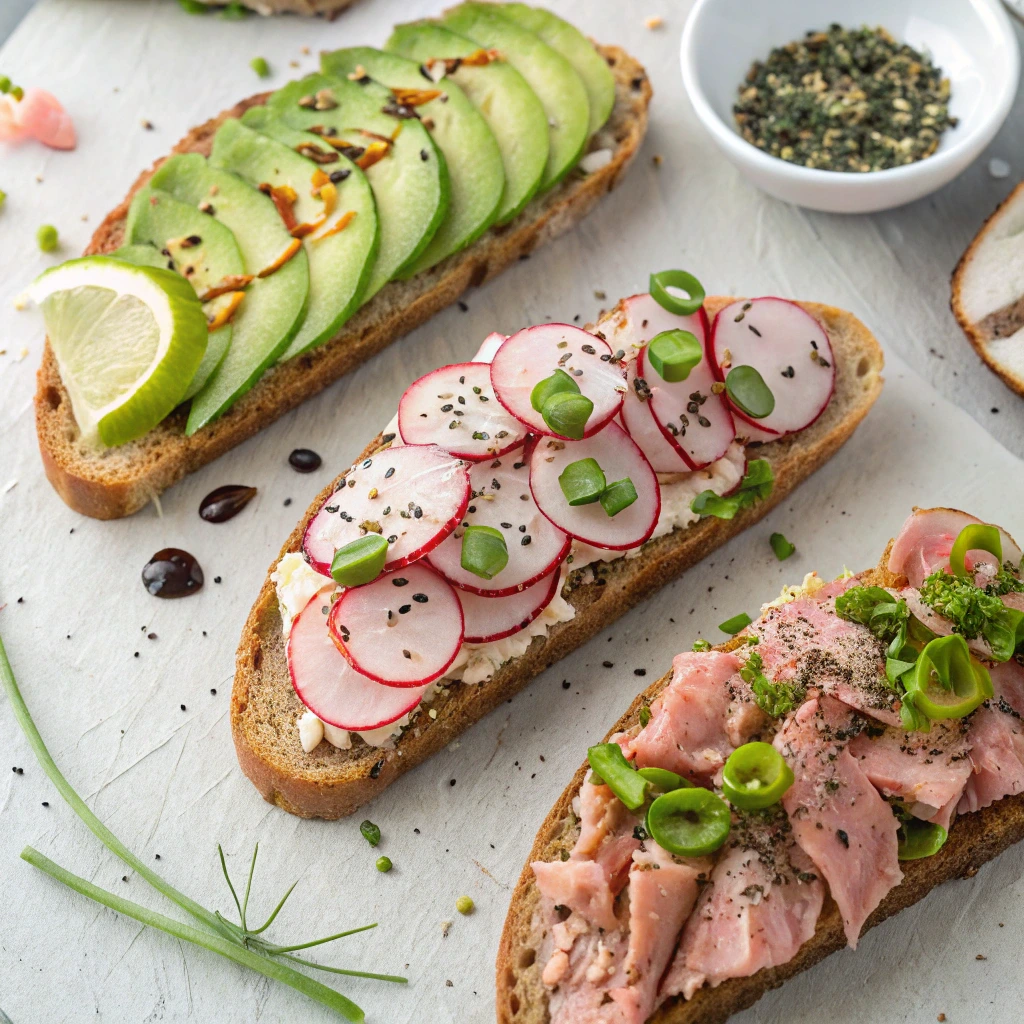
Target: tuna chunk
760, 908
838, 817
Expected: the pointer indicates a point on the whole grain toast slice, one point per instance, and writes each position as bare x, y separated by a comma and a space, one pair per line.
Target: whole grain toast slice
522, 997
330, 783
115, 482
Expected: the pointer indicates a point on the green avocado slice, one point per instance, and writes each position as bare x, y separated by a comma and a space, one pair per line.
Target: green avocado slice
508, 105
274, 306
340, 263
410, 184
471, 152
549, 74
577, 49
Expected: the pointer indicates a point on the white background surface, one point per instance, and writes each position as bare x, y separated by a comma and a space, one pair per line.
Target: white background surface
166, 780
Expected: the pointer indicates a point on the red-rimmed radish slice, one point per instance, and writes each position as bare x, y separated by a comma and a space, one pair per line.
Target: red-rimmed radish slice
491, 344
618, 456
788, 347
329, 686
640, 424
494, 618
533, 354
402, 630
751, 434
502, 500
415, 494
455, 408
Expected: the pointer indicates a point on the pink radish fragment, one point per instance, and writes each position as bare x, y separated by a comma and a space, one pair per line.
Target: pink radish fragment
642, 427
455, 408
328, 685
11, 129
491, 344
502, 500
619, 457
403, 630
788, 347
691, 417
40, 114
494, 618
535, 353
414, 495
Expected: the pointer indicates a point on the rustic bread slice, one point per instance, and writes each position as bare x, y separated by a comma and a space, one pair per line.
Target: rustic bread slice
330, 783
116, 482
988, 291
522, 997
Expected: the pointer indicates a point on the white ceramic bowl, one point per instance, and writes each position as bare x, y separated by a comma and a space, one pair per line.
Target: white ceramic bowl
972, 41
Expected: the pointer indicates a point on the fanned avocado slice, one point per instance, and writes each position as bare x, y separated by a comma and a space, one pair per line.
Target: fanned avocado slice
577, 49
549, 74
273, 308
471, 152
410, 182
339, 263
505, 101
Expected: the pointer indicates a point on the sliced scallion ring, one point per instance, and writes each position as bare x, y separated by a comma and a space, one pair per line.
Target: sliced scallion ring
665, 279
947, 682
749, 393
735, 624
975, 537
582, 482
755, 776
610, 764
663, 779
359, 562
917, 839
618, 496
689, 822
567, 412
673, 354
484, 551
558, 382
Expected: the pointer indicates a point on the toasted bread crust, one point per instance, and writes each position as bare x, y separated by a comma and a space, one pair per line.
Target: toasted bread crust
976, 335
330, 783
119, 481
522, 998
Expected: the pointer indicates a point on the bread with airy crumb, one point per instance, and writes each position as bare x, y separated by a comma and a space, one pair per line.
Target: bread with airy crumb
330, 783
113, 482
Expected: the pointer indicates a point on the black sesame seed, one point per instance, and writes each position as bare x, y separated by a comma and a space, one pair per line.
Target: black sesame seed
525, 541
404, 609
420, 598
608, 664
399, 581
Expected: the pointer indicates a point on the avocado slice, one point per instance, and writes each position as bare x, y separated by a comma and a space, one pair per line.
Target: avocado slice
549, 74
340, 263
475, 170
410, 184
274, 306
577, 49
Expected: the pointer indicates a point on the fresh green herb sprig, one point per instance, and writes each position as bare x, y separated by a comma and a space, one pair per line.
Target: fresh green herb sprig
774, 699
755, 486
237, 942
1006, 580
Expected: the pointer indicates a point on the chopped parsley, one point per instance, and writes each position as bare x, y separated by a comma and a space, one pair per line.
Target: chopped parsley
774, 699
781, 547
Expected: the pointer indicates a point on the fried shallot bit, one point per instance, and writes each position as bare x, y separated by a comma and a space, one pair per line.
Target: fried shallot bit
415, 97
316, 154
283, 197
342, 222
290, 250
375, 152
226, 313
231, 283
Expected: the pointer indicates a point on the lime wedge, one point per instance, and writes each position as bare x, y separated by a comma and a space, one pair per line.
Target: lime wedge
128, 340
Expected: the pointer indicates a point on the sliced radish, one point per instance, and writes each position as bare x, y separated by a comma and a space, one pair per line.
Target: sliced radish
402, 630
501, 499
638, 419
533, 354
414, 495
618, 456
455, 408
494, 618
491, 344
788, 347
329, 686
751, 434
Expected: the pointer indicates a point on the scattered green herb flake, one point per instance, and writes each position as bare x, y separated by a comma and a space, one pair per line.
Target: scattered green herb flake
18, 93
5, 84
47, 238
234, 11
384, 864
701, 645
260, 66
845, 100
370, 832
3, 198
645, 716
755, 486
465, 905
736, 623
193, 6
782, 547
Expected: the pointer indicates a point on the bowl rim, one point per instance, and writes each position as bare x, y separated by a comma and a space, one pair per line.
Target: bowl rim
980, 134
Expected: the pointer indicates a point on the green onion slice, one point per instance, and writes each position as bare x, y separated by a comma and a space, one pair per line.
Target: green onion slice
567, 412
689, 822
755, 776
748, 392
782, 547
661, 778
673, 354
360, 562
558, 382
976, 537
947, 682
665, 279
484, 551
617, 496
582, 482
917, 839
736, 623
610, 764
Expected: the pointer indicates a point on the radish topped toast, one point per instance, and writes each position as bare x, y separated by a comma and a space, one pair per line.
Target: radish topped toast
515, 505
762, 804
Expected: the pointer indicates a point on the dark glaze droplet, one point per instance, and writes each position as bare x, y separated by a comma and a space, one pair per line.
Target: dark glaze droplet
224, 503
172, 573
303, 460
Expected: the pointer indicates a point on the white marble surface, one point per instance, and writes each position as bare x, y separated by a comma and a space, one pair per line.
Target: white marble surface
165, 779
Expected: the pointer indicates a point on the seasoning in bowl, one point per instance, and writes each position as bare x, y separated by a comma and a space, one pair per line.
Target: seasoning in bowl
845, 100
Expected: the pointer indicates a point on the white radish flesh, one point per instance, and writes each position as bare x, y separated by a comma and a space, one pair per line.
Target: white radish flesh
619, 457
641, 425
490, 345
402, 630
328, 685
455, 408
535, 353
413, 495
790, 350
494, 618
502, 500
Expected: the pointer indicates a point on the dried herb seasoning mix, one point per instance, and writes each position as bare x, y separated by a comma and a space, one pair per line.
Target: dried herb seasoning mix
845, 100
